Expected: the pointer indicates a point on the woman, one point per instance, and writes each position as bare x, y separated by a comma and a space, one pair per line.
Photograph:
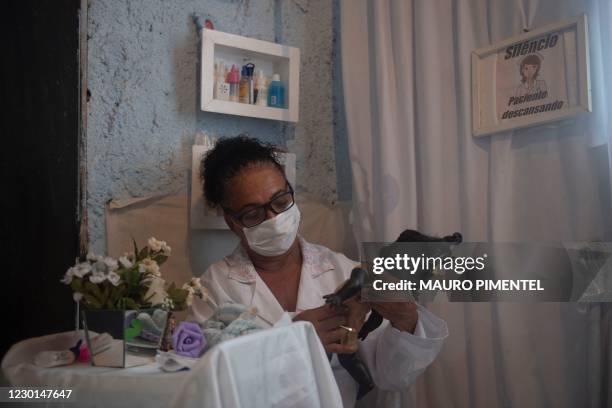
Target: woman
275, 270
529, 69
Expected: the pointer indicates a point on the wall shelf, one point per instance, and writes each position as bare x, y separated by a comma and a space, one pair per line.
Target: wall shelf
268, 56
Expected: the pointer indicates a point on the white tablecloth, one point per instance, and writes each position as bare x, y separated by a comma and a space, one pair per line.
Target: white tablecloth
279, 367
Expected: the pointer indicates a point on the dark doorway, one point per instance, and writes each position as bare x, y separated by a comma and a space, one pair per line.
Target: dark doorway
39, 165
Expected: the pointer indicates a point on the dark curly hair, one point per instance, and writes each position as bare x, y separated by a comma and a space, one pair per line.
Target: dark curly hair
228, 158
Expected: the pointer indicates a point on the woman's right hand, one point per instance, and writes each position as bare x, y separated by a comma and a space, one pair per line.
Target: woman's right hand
327, 321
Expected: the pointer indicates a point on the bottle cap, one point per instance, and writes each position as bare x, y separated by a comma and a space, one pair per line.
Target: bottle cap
233, 77
276, 77
220, 69
260, 79
250, 67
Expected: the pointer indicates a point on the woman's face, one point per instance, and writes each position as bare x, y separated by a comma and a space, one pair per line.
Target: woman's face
253, 186
529, 70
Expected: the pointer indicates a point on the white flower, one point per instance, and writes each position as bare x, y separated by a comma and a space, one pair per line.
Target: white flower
114, 278
99, 267
195, 283
81, 269
91, 257
67, 279
111, 263
150, 266
189, 298
154, 244
168, 304
157, 291
191, 291
77, 296
125, 262
97, 277
205, 295
166, 250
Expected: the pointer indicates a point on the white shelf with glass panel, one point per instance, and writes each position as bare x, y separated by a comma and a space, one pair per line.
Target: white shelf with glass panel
270, 57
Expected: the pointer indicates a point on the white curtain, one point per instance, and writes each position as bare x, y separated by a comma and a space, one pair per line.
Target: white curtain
407, 88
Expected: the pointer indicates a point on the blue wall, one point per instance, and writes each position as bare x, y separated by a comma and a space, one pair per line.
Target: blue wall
143, 111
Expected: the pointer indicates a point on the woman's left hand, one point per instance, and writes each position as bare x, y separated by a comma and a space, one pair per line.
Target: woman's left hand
402, 315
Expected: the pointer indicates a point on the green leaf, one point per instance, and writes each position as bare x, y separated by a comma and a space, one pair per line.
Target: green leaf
144, 252
177, 294
130, 303
131, 277
114, 294
76, 285
160, 259
135, 247
106, 292
91, 301
94, 290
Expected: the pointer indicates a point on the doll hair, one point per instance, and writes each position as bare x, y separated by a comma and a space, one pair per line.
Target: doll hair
531, 59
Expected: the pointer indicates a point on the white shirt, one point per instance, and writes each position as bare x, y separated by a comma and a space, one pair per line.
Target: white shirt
394, 358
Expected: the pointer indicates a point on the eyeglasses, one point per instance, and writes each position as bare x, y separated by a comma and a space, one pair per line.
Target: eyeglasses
256, 215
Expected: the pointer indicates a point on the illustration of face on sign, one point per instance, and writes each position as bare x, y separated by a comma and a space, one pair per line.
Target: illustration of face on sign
531, 77
529, 68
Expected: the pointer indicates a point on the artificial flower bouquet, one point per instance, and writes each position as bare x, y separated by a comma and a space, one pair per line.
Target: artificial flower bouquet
133, 281
127, 304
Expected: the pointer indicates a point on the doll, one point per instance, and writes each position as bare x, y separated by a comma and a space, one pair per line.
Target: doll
347, 295
230, 320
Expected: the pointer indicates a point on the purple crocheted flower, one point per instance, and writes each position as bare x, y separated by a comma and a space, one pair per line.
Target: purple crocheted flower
188, 339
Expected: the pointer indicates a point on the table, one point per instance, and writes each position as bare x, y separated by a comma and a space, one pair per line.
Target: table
280, 367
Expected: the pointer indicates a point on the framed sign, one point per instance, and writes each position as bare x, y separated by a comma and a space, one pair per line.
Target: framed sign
533, 78
201, 215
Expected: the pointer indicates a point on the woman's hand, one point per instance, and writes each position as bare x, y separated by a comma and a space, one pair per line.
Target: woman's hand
327, 321
402, 315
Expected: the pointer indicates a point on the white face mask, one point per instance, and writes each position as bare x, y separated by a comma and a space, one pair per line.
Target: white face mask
274, 236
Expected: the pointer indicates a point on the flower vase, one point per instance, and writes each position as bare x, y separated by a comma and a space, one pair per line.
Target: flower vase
123, 338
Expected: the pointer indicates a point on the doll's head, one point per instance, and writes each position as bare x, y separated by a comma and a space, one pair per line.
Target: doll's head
530, 68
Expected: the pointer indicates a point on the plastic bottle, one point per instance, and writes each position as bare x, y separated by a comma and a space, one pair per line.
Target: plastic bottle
233, 78
216, 80
276, 93
261, 89
243, 88
221, 90
250, 68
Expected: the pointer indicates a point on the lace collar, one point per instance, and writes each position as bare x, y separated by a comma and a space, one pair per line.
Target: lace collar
313, 263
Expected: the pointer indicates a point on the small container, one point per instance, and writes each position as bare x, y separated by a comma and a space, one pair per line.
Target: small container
243, 88
250, 68
222, 88
233, 79
123, 338
261, 89
276, 93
